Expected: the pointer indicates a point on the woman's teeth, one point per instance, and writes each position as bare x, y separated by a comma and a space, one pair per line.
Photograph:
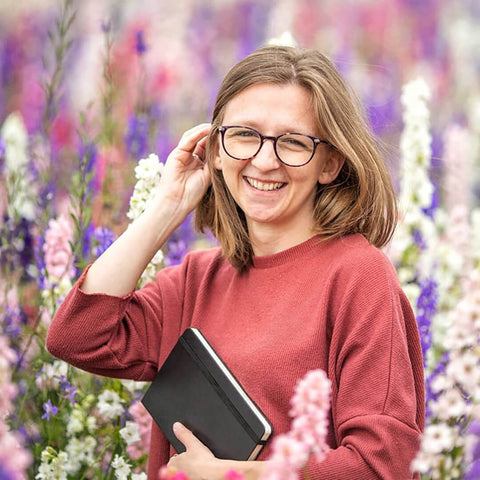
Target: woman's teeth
266, 186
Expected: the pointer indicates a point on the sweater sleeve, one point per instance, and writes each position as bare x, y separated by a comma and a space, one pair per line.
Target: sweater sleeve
112, 336
376, 369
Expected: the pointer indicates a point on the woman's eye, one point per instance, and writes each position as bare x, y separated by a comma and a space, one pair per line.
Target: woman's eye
244, 133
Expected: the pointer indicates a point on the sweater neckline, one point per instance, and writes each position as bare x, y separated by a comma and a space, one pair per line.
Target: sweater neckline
285, 256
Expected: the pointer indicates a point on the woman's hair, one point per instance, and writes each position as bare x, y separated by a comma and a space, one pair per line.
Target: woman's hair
360, 200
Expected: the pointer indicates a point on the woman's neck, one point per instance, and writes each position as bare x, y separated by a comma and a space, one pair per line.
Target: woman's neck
268, 240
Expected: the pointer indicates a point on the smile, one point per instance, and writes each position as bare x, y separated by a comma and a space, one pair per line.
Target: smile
264, 186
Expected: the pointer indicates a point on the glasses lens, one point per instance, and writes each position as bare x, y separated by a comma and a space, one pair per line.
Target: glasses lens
295, 149
241, 142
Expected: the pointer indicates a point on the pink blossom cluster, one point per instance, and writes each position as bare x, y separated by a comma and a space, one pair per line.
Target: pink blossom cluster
57, 248
144, 421
14, 460
307, 436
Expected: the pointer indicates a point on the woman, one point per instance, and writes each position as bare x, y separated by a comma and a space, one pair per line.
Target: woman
290, 181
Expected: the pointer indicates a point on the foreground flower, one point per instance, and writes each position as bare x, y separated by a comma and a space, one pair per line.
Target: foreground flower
310, 409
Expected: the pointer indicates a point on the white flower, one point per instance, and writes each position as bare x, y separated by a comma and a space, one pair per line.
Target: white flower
15, 136
438, 437
464, 369
80, 452
50, 375
76, 421
53, 466
18, 177
286, 39
110, 405
450, 404
148, 173
130, 433
139, 476
121, 467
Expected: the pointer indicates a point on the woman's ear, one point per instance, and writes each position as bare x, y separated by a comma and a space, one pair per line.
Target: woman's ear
332, 165
217, 161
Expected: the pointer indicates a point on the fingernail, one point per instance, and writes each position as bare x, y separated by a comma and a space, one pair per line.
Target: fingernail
177, 426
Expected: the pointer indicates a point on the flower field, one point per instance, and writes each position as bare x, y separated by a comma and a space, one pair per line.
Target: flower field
95, 94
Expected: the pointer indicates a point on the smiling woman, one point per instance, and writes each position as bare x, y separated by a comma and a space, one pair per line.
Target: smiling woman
295, 190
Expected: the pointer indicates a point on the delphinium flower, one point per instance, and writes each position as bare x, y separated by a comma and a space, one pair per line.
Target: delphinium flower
456, 391
53, 465
14, 459
19, 190
20, 195
454, 250
147, 173
473, 454
59, 263
426, 308
307, 436
110, 404
138, 132
415, 237
101, 239
143, 420
179, 243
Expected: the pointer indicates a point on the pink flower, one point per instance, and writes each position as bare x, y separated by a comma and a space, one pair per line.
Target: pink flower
169, 473
57, 249
144, 421
310, 409
233, 475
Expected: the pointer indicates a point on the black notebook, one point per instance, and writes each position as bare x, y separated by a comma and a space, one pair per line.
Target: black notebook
196, 388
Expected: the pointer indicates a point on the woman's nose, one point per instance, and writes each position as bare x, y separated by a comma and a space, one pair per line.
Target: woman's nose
266, 159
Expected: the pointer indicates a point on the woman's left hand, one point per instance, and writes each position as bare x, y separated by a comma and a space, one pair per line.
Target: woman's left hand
197, 462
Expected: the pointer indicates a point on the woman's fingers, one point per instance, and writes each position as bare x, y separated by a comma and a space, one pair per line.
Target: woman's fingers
193, 142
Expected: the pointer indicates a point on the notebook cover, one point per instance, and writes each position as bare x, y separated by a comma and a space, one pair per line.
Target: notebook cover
196, 388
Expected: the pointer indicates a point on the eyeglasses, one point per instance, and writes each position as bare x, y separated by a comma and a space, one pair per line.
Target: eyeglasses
292, 149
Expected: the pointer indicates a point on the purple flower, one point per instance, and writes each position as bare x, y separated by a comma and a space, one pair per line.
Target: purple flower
430, 395
179, 243
140, 46
426, 308
136, 138
69, 390
103, 238
49, 409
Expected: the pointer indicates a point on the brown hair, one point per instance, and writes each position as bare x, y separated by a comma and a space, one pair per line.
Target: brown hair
360, 200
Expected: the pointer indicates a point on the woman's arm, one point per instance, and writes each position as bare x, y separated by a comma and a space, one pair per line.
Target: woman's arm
182, 185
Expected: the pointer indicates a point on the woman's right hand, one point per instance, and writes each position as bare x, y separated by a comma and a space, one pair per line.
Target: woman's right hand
186, 177
183, 183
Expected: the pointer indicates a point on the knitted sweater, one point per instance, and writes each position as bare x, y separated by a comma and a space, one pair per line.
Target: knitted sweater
336, 306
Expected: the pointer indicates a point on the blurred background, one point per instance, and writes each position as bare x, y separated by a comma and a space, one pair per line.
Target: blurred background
140, 72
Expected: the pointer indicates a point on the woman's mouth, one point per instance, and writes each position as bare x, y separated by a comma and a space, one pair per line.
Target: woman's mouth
264, 186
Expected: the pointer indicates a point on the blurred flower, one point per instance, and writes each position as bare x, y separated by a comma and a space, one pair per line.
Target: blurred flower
307, 436
140, 45
49, 410
143, 420
137, 136
58, 250
130, 433
121, 468
233, 475
147, 173
109, 404
21, 196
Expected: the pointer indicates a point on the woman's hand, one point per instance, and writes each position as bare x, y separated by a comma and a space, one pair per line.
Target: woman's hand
186, 177
199, 463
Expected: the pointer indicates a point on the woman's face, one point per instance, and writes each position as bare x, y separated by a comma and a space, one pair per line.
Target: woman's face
271, 194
